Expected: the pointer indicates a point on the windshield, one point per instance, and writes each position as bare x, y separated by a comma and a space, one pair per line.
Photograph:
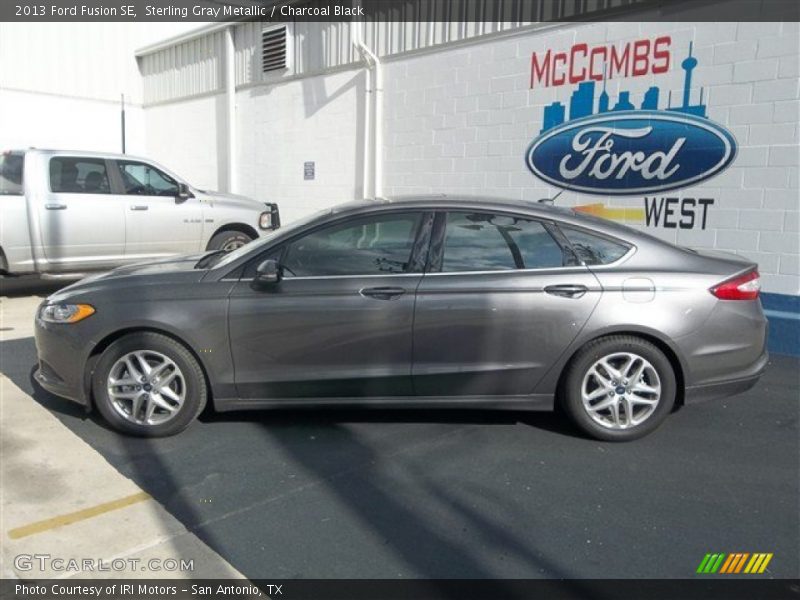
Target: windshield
265, 240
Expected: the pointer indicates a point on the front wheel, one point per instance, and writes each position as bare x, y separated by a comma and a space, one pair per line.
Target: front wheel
148, 384
229, 240
619, 388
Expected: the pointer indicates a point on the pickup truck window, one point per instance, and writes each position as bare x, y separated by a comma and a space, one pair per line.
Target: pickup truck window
78, 175
141, 179
11, 173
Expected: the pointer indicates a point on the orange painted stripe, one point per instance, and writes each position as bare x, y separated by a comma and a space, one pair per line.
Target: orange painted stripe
615, 214
765, 563
741, 562
729, 560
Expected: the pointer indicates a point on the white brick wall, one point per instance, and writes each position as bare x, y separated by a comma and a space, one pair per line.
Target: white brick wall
749, 73
315, 119
189, 139
459, 120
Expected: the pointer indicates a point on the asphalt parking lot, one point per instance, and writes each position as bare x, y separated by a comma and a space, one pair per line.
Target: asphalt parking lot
469, 494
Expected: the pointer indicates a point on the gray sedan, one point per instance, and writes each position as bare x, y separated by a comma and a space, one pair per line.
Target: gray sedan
425, 302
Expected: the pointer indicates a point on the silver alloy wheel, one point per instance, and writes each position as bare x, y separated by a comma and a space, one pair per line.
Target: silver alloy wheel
621, 390
233, 245
146, 387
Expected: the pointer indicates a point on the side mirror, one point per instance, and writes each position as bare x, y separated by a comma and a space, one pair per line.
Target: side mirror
183, 193
268, 272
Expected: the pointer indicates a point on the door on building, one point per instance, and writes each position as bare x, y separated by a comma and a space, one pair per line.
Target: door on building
502, 299
158, 222
353, 284
82, 223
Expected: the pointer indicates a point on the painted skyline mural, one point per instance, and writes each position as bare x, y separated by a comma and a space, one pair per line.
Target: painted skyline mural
581, 103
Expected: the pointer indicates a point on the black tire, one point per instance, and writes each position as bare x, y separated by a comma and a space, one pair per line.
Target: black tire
578, 368
228, 239
196, 392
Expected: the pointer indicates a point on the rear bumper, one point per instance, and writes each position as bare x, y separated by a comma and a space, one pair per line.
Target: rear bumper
728, 387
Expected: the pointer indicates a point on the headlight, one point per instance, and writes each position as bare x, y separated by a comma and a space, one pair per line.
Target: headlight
265, 220
65, 313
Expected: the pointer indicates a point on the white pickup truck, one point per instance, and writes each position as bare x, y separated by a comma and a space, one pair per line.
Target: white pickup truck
64, 212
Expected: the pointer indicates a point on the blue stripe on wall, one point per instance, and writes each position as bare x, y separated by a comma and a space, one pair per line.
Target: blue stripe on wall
783, 314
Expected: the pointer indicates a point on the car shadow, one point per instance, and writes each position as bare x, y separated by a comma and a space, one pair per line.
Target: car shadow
544, 420
31, 285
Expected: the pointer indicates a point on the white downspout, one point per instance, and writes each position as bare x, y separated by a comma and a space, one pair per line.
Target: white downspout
373, 118
230, 112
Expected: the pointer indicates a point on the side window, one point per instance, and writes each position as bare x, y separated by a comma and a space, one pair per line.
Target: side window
78, 175
593, 249
373, 245
11, 170
489, 242
140, 179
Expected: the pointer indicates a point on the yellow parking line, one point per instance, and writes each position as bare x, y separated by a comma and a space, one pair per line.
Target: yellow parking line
79, 515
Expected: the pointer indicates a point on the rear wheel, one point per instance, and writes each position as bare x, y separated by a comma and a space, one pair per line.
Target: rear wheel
619, 388
229, 240
148, 384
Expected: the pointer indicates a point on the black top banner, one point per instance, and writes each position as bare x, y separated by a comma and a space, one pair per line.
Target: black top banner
398, 10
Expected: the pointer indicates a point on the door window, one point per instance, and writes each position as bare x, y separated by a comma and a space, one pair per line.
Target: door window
140, 179
78, 175
375, 245
491, 242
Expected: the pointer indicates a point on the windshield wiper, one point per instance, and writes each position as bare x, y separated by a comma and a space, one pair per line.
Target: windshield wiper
209, 259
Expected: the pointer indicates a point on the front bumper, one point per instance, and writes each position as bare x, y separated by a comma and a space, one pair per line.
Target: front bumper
62, 351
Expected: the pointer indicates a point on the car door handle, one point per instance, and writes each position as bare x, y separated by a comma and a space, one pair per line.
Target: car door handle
567, 290
383, 293
139, 207
55, 206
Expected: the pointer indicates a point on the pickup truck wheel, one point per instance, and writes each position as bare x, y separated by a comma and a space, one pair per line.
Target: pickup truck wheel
148, 384
229, 240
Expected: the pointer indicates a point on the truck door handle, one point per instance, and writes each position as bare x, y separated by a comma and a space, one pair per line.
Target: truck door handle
382, 293
55, 206
567, 290
139, 207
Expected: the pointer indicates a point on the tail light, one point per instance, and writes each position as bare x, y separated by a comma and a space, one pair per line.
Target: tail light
742, 287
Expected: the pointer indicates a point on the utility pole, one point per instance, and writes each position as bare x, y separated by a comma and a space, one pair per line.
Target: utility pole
122, 120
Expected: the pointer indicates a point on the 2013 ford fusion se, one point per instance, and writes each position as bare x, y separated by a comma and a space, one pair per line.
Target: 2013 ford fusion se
423, 302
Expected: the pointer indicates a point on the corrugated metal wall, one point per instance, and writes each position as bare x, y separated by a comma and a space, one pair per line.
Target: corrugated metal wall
187, 69
193, 68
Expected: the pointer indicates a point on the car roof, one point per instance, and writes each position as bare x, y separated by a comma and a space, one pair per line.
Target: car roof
434, 201
79, 153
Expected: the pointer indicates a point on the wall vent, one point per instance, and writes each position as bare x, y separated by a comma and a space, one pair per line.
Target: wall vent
273, 49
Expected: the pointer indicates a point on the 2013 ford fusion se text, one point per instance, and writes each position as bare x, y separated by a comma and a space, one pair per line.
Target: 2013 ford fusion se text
420, 302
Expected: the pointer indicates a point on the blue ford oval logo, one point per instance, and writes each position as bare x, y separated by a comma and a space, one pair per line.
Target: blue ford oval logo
631, 152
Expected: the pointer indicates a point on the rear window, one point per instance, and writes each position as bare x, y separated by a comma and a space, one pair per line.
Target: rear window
593, 249
497, 242
11, 171
78, 175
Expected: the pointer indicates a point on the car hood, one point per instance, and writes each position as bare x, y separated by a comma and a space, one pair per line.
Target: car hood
180, 267
234, 200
